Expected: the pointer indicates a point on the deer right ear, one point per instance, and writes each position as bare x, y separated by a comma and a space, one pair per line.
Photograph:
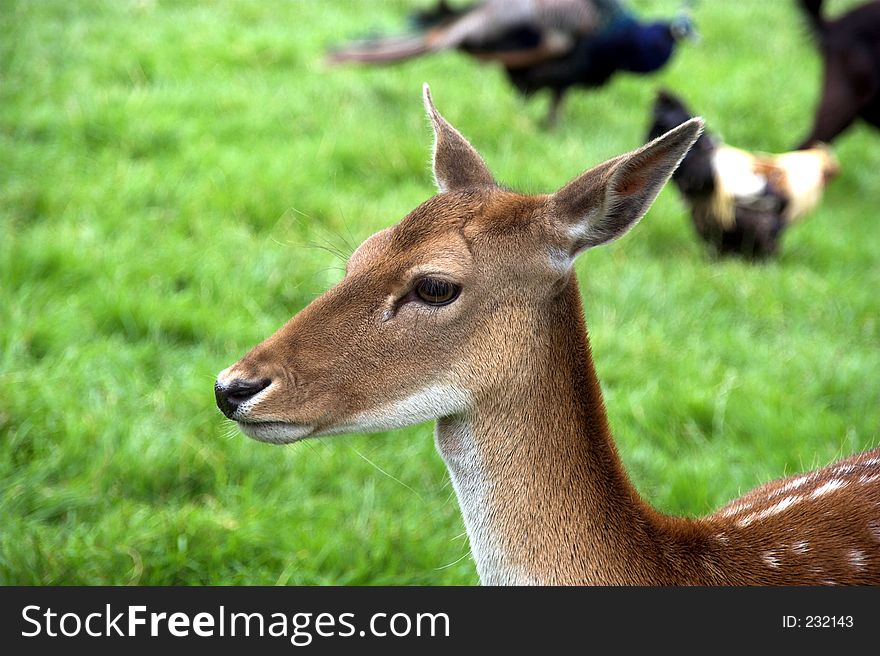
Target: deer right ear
605, 202
457, 165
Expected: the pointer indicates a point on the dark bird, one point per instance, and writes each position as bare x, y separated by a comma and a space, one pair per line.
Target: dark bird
741, 202
850, 48
542, 44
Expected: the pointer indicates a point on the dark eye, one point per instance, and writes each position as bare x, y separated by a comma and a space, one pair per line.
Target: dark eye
435, 291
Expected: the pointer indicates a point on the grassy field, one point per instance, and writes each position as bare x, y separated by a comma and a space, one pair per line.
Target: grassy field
173, 177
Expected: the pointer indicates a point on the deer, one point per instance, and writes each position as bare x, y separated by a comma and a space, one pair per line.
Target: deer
468, 313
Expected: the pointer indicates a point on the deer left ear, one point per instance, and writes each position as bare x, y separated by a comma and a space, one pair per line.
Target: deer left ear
605, 202
457, 164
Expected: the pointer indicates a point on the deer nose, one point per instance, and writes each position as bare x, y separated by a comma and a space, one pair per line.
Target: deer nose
232, 395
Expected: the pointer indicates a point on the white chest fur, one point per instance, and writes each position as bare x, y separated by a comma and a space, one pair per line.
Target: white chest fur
474, 488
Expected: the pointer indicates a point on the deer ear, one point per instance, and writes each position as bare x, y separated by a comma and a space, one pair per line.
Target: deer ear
457, 165
605, 202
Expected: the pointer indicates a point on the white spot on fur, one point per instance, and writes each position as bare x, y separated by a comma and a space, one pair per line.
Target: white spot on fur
801, 547
782, 505
740, 506
722, 538
866, 479
769, 512
857, 558
795, 483
737, 508
771, 559
748, 519
830, 486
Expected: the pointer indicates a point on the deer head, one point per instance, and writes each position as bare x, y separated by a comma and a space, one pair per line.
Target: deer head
433, 311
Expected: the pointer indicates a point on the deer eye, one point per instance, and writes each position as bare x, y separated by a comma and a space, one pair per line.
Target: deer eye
435, 291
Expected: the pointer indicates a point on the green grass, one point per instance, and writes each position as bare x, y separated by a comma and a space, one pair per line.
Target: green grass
168, 174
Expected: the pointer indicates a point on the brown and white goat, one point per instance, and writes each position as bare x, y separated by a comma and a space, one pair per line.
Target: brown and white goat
467, 312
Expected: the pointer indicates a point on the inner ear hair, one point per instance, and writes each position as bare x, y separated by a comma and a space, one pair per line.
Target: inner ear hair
604, 203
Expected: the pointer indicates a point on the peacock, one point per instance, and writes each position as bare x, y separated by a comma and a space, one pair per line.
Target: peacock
542, 44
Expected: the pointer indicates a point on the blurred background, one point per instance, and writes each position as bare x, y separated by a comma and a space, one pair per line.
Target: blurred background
178, 178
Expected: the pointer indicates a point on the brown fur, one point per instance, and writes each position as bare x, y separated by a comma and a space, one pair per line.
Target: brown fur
543, 491
850, 50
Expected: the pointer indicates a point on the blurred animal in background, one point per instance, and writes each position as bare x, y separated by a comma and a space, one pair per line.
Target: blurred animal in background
741, 202
850, 48
542, 44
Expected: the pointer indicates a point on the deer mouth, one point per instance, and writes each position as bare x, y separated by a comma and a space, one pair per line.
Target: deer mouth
275, 432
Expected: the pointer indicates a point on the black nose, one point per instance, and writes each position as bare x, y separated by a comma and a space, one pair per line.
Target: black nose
230, 397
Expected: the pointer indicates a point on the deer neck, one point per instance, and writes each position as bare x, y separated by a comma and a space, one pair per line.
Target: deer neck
543, 494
